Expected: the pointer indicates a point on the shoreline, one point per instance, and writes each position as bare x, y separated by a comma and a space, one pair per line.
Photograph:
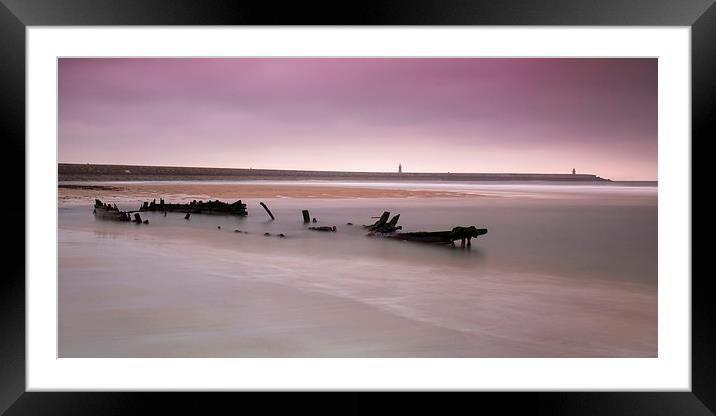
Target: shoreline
246, 191
239, 190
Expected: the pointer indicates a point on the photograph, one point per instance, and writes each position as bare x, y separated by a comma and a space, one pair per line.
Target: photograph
488, 198
350, 207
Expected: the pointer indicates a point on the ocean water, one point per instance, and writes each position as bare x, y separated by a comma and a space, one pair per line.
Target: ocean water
565, 270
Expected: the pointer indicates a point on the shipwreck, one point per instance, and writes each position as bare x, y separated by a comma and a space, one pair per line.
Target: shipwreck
111, 212
385, 226
197, 207
389, 229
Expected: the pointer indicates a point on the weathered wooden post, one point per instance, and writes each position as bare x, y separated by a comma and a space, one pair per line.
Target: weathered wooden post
393, 222
306, 216
383, 218
381, 222
268, 211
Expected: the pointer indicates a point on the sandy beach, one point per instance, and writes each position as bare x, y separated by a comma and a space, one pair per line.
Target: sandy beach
235, 191
73, 192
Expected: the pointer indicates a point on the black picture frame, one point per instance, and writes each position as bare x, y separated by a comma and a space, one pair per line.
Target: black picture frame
16, 15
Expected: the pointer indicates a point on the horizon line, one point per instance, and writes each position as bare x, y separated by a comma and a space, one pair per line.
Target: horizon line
395, 173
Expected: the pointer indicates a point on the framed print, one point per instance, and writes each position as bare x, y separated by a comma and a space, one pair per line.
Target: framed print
428, 198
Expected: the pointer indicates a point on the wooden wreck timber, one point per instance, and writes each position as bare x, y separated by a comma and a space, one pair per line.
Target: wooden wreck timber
381, 221
383, 225
110, 212
268, 211
392, 225
388, 229
138, 219
324, 228
442, 237
198, 207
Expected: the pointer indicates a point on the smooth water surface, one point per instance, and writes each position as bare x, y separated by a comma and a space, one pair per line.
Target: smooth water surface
565, 270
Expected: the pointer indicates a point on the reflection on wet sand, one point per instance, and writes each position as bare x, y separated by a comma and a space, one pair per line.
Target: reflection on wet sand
566, 272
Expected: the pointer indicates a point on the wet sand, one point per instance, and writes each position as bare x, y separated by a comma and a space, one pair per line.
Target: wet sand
243, 191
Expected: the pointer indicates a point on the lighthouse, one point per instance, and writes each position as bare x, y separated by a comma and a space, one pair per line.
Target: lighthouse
400, 168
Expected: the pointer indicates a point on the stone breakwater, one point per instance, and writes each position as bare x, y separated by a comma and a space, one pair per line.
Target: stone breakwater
88, 172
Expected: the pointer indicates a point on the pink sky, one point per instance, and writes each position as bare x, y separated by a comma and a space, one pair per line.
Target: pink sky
364, 114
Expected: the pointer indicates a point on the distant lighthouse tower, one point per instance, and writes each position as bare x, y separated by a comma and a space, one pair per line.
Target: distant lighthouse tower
400, 168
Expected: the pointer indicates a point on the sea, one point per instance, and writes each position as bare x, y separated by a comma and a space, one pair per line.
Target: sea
565, 270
